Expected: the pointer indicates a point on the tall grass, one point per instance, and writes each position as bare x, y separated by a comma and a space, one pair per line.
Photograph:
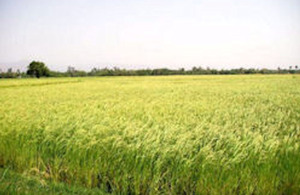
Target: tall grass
150, 135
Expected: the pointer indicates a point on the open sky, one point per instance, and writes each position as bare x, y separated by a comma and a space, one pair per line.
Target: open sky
150, 33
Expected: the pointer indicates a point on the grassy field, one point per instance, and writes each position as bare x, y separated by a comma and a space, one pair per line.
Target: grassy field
155, 135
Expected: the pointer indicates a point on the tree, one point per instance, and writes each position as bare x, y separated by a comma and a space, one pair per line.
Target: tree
71, 71
38, 69
18, 73
10, 73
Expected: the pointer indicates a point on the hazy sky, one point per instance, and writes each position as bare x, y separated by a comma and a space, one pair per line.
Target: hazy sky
150, 33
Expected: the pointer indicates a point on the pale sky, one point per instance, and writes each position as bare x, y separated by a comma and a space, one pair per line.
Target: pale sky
150, 33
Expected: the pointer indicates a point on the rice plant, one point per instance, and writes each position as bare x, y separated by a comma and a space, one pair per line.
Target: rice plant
156, 135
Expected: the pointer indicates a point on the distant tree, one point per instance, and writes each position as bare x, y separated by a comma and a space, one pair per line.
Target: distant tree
71, 71
194, 69
94, 71
10, 73
38, 69
18, 73
181, 71
278, 70
296, 67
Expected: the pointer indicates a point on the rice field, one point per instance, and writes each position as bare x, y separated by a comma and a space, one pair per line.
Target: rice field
156, 135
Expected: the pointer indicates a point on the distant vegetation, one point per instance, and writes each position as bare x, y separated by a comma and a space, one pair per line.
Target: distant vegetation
39, 69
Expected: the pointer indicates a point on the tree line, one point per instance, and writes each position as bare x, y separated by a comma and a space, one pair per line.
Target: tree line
39, 69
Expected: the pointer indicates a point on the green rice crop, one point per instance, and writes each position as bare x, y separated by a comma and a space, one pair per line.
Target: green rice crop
156, 135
